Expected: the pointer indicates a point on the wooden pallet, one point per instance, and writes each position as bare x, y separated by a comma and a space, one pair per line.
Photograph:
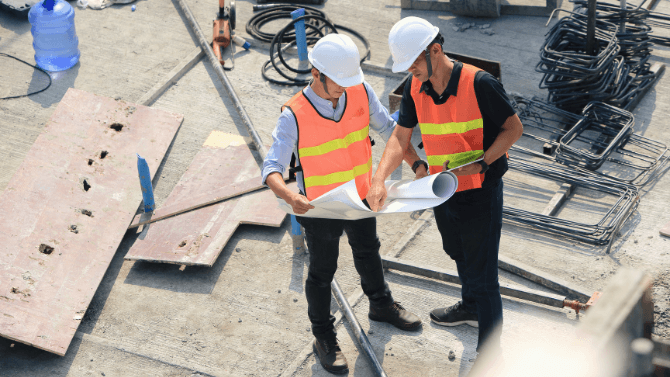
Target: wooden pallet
66, 209
198, 237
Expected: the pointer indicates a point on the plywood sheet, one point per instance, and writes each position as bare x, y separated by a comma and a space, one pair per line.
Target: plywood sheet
665, 230
198, 237
66, 209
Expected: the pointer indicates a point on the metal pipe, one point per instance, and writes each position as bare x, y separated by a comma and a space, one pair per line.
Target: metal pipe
358, 331
591, 28
224, 79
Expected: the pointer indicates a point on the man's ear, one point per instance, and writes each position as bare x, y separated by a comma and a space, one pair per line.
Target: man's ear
315, 74
436, 49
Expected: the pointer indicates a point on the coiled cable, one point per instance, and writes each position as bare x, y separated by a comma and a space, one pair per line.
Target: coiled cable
317, 25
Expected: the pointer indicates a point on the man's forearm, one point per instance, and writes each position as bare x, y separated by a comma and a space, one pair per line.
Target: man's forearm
396, 150
410, 156
510, 132
276, 183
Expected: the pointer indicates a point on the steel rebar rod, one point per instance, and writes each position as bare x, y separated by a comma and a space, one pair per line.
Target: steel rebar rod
356, 327
195, 27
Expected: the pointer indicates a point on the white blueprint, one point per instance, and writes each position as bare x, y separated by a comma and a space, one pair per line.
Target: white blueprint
407, 195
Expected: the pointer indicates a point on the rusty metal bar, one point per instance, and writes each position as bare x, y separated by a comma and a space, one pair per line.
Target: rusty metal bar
195, 27
356, 327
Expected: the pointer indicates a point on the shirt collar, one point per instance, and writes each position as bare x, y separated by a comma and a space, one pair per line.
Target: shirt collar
452, 85
323, 106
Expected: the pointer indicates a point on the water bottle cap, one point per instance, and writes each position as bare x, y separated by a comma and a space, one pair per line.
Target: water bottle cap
246, 45
49, 4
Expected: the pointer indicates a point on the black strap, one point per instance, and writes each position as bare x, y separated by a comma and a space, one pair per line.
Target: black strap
292, 168
420, 146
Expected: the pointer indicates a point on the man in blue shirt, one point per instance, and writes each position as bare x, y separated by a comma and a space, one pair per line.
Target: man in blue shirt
307, 122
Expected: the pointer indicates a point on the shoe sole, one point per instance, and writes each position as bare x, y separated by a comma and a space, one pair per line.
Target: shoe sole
340, 371
413, 328
452, 324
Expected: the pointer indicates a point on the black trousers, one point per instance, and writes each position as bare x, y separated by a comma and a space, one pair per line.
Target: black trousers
470, 223
323, 239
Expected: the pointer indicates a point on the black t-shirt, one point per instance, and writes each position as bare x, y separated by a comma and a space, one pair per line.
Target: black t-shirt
494, 106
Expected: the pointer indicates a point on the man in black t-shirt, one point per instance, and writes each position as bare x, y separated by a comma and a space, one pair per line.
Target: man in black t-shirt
464, 115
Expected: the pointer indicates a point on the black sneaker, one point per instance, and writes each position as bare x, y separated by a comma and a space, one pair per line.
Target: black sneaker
453, 316
330, 356
396, 315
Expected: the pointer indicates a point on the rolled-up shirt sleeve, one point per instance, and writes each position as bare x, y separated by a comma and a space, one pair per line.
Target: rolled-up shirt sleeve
380, 119
284, 139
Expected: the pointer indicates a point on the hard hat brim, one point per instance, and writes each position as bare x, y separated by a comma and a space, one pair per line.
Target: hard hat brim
349, 81
401, 67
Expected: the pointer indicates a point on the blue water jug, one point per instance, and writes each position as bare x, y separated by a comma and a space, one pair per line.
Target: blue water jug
54, 38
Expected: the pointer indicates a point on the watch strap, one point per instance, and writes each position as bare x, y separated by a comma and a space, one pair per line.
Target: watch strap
417, 163
484, 166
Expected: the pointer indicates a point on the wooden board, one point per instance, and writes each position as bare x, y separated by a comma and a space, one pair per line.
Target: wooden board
665, 231
198, 237
66, 209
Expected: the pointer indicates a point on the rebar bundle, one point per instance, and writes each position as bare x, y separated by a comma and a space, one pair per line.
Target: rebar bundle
600, 233
616, 74
601, 130
598, 139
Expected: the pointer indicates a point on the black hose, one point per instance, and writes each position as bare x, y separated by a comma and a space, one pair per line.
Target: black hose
34, 66
317, 25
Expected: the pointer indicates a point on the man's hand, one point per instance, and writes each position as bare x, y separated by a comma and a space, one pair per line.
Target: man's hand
465, 170
421, 172
300, 204
376, 195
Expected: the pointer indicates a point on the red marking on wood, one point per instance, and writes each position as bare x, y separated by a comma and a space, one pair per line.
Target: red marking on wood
55, 271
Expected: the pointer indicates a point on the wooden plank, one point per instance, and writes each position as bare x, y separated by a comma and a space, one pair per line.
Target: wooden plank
229, 191
552, 282
452, 277
198, 237
70, 203
557, 201
665, 231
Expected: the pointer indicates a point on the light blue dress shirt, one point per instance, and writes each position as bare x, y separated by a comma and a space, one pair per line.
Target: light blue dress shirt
285, 134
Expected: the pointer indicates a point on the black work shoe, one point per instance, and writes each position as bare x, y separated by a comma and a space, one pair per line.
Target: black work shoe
396, 315
330, 355
453, 316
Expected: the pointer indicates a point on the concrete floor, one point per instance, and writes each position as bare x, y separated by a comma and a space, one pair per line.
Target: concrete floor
247, 314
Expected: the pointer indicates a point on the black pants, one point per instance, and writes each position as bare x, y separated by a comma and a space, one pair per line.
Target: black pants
470, 223
323, 238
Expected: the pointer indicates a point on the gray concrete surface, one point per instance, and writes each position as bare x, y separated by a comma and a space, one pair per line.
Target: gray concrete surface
247, 314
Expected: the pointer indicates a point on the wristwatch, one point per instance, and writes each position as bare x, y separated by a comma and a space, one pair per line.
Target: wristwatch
484, 165
416, 164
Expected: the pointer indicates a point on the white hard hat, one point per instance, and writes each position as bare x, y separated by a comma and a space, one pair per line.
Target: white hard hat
408, 38
337, 57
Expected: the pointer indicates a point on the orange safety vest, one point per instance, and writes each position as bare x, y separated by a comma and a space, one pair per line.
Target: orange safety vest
332, 153
452, 131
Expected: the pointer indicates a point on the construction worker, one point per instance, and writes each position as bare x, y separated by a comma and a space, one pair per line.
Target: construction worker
326, 126
463, 114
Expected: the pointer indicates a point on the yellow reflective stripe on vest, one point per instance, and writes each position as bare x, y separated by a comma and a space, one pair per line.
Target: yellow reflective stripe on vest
338, 177
456, 159
451, 128
335, 144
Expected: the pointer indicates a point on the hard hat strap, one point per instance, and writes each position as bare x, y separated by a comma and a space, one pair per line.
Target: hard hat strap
428, 63
322, 78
